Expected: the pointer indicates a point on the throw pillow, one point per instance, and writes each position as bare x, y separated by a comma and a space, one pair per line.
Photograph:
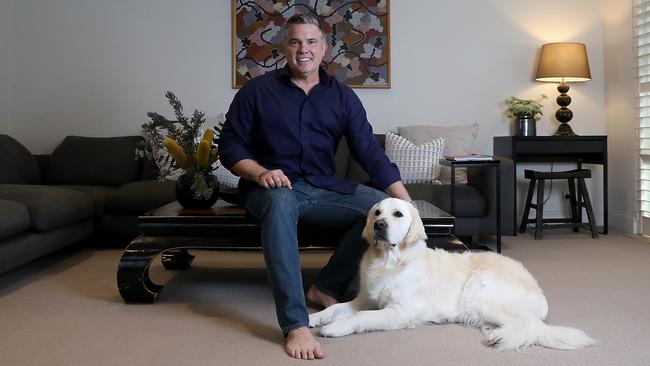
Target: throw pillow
98, 161
458, 140
18, 164
225, 177
417, 164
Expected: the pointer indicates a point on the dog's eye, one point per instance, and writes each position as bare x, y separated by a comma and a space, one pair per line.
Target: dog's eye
377, 213
397, 214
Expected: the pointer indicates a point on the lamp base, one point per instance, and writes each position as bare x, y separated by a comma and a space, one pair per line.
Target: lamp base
564, 130
564, 114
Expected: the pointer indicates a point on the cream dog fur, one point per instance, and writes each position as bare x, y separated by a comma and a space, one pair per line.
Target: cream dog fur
404, 283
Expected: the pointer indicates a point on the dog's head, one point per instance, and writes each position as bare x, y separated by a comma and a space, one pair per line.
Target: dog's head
393, 222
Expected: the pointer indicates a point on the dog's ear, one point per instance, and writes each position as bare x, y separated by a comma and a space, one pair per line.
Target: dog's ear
368, 230
416, 230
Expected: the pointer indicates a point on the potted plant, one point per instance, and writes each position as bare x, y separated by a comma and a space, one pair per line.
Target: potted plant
193, 152
526, 111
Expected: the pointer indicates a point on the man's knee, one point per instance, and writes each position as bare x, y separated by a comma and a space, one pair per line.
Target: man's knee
274, 201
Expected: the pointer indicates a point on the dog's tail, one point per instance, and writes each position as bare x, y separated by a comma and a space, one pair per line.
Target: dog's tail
521, 333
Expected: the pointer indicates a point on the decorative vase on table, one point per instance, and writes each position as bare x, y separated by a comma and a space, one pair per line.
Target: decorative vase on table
193, 152
197, 190
525, 112
525, 126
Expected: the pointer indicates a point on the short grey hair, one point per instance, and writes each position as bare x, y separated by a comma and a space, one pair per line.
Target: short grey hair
301, 19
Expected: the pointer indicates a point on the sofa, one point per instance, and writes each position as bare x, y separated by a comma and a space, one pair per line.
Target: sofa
94, 188
475, 193
89, 187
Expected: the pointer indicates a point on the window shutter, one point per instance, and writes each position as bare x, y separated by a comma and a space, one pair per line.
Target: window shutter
642, 47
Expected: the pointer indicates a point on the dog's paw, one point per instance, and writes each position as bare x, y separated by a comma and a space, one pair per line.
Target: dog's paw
337, 329
316, 319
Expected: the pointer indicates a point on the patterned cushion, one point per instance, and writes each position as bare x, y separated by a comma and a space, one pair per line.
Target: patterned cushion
458, 140
417, 164
225, 177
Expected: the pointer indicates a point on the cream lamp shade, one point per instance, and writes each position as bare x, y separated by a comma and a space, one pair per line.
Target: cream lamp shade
564, 61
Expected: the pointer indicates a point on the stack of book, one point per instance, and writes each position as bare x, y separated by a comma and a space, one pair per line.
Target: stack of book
468, 157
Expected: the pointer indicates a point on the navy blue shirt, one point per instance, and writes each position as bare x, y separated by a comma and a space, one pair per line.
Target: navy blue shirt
273, 122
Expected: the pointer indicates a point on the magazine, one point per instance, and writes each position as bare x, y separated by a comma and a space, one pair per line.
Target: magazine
468, 157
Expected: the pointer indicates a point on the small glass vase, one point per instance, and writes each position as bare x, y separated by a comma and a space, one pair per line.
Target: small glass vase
187, 196
525, 126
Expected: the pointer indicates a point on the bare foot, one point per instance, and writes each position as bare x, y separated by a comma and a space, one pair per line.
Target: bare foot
302, 345
318, 297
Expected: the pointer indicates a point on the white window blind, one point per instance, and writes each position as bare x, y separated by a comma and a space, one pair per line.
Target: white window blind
642, 47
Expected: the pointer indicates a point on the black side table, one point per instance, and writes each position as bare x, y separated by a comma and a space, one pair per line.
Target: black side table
492, 163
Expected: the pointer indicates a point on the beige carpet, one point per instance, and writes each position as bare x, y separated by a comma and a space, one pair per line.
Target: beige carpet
65, 310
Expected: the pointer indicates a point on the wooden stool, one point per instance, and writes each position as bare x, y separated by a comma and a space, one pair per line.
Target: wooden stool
577, 202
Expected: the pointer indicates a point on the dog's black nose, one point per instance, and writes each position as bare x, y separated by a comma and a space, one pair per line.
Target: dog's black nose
380, 225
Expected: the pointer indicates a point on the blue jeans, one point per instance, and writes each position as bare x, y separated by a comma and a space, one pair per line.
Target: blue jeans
278, 211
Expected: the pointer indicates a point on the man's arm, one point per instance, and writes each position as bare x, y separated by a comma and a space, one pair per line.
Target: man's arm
235, 141
251, 170
398, 190
366, 150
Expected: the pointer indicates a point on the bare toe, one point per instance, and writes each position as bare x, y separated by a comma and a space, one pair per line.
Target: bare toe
302, 345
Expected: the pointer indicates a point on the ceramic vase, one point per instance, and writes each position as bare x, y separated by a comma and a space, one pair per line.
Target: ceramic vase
187, 197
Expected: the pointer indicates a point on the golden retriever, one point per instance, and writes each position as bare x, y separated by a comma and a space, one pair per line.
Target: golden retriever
404, 283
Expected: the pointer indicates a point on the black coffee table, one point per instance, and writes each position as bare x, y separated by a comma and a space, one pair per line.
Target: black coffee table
172, 230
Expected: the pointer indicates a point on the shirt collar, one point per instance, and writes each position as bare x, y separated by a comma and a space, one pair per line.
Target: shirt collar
284, 75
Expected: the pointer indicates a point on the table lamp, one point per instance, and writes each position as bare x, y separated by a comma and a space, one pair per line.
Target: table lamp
563, 62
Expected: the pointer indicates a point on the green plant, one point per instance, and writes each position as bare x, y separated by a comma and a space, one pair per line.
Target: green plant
522, 108
181, 146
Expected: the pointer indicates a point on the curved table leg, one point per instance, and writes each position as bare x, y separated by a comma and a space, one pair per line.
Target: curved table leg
133, 280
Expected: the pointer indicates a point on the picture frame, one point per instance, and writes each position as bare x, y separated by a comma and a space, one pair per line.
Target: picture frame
357, 34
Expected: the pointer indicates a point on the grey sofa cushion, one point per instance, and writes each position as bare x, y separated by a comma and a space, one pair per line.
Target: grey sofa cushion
28, 246
49, 207
139, 197
469, 200
15, 218
18, 164
100, 161
99, 194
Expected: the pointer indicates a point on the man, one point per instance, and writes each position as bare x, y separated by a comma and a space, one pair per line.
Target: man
280, 136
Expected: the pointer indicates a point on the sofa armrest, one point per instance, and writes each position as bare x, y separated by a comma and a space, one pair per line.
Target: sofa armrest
484, 179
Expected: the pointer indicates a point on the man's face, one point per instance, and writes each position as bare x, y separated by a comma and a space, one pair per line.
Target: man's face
304, 49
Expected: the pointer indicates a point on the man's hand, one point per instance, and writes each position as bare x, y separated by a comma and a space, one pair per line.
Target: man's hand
273, 179
251, 170
398, 190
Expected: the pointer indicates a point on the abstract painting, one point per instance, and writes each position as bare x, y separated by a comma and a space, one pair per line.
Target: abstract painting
357, 34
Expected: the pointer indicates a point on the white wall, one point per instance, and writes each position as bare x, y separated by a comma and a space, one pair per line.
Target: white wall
5, 63
92, 67
621, 122
96, 67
